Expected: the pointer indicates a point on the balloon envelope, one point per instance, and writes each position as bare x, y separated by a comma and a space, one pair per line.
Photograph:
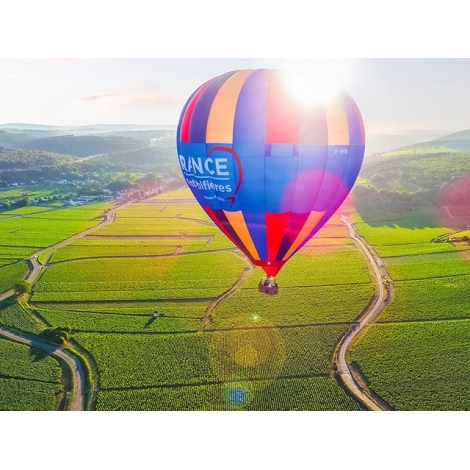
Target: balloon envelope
268, 170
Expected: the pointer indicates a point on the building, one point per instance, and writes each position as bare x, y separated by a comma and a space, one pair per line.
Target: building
86, 198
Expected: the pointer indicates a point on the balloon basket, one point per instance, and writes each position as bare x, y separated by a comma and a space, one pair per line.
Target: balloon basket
268, 286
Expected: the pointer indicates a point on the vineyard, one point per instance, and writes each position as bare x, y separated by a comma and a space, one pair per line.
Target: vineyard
126, 317
281, 345
27, 383
429, 299
314, 394
277, 351
140, 278
419, 364
11, 314
176, 194
10, 274
28, 229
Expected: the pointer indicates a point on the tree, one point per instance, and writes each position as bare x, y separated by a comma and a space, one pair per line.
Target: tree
118, 185
26, 200
23, 287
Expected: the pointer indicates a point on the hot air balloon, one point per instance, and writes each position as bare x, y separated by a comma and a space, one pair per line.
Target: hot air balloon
267, 169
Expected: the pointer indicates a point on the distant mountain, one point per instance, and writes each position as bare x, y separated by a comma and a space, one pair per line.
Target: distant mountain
88, 129
13, 139
462, 135
377, 143
454, 142
82, 145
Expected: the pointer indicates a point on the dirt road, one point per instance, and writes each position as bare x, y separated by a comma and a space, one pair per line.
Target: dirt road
75, 365
364, 321
31, 276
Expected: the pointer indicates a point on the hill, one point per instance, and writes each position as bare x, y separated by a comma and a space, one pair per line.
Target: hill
23, 166
88, 129
13, 139
405, 183
455, 142
82, 146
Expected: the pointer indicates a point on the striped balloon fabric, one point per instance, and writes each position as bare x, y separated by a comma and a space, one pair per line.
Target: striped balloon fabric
267, 169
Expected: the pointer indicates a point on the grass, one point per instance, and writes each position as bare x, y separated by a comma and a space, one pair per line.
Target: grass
300, 305
416, 357
6, 262
105, 249
414, 249
321, 266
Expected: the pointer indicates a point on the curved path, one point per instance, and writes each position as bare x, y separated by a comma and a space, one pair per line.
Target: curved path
35, 270
368, 317
31, 276
216, 303
75, 365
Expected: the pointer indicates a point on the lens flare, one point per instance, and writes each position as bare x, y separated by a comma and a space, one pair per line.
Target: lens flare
237, 394
246, 353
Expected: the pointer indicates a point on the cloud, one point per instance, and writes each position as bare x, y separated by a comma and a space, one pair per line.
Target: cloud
154, 99
101, 97
62, 61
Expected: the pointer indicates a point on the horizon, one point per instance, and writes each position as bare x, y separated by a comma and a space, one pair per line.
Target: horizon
396, 96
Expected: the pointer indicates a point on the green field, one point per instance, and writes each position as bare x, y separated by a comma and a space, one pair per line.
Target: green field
28, 395
109, 302
27, 382
184, 193
429, 299
163, 210
414, 357
33, 191
44, 228
177, 277
135, 361
126, 316
33, 228
106, 286
306, 394
418, 366
10, 274
13, 315
156, 226
420, 151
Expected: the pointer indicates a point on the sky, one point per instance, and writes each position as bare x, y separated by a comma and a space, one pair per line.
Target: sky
395, 96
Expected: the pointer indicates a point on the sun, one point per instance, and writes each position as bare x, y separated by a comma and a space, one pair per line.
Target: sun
316, 81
